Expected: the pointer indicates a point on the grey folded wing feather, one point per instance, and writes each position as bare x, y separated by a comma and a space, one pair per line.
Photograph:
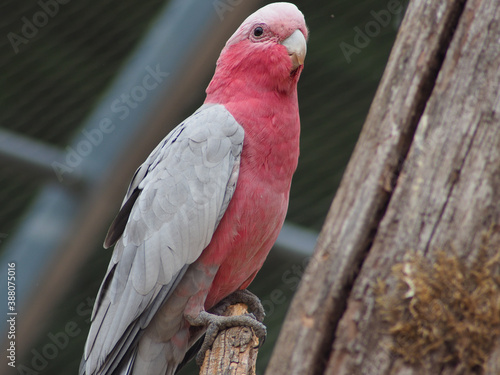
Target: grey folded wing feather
174, 203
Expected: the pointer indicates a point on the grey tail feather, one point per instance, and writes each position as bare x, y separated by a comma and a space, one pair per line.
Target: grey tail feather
81, 371
126, 368
191, 353
125, 353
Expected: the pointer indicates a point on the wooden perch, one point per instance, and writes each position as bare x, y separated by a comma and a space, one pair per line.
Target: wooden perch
234, 351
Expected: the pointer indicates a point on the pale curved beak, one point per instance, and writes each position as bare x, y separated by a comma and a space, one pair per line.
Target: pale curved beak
296, 46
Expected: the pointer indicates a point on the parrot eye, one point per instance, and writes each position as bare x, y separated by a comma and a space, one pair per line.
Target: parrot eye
258, 31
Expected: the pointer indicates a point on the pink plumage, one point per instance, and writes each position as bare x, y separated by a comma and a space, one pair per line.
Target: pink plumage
204, 210
256, 82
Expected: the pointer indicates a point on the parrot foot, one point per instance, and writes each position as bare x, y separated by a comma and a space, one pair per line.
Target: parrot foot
241, 296
216, 323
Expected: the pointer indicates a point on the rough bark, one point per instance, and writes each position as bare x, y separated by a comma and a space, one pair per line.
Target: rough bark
424, 178
234, 351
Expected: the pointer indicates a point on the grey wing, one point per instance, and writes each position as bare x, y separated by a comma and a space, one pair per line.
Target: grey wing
172, 208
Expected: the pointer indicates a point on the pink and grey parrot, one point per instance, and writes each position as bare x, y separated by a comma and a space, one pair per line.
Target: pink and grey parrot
203, 211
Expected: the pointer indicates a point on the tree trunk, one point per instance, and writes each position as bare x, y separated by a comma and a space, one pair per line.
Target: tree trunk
404, 279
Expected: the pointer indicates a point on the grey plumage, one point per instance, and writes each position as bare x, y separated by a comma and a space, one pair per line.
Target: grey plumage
173, 206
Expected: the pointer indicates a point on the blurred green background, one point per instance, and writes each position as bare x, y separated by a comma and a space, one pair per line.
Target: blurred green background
54, 77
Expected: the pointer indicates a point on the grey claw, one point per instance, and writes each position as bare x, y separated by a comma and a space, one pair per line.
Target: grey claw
242, 296
216, 323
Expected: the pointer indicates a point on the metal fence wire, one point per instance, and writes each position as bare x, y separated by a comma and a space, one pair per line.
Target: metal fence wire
57, 59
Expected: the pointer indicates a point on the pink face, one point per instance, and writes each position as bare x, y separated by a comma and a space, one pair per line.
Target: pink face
275, 35
266, 53
274, 22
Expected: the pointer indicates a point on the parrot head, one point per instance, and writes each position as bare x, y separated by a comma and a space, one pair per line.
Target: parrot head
267, 51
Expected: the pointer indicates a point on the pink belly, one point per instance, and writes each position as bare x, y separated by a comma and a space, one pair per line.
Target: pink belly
244, 238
